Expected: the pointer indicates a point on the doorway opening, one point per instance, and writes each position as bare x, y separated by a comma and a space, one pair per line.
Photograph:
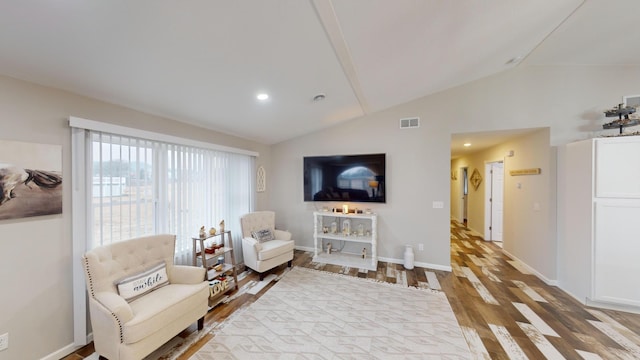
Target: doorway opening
494, 199
465, 194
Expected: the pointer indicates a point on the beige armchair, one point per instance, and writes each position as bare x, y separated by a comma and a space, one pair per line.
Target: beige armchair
263, 253
138, 299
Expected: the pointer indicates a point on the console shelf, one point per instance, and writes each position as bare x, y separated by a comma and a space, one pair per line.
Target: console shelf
332, 226
209, 261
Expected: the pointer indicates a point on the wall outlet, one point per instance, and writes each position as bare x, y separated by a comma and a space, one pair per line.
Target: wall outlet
421, 247
438, 204
4, 341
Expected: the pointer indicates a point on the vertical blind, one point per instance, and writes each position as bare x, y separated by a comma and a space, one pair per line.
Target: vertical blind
128, 182
143, 187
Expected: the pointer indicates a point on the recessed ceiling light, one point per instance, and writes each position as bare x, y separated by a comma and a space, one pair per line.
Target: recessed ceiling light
262, 97
466, 144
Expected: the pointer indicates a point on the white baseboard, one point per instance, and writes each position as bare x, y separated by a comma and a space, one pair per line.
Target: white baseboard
60, 353
417, 263
532, 270
612, 306
304, 248
392, 260
433, 266
601, 304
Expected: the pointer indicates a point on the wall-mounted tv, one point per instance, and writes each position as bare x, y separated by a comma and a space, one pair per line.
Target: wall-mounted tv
353, 178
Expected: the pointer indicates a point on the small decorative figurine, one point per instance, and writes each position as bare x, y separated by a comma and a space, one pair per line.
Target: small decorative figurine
364, 253
212, 231
222, 226
346, 227
202, 232
329, 249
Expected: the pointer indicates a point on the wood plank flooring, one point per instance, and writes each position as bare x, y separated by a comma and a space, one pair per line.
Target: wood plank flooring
504, 312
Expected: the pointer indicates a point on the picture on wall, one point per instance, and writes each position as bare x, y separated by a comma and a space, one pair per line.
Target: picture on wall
30, 179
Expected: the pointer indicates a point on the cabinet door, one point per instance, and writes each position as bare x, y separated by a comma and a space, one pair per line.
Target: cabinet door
616, 252
618, 167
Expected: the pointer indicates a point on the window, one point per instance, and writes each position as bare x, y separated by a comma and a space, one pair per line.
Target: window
144, 183
143, 187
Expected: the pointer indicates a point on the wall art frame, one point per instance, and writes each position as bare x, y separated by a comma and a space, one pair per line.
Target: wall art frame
30, 179
261, 179
475, 179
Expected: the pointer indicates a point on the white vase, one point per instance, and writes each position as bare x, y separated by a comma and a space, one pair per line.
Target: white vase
408, 257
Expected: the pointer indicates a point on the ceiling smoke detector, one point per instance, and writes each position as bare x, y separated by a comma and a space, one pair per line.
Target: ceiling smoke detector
319, 97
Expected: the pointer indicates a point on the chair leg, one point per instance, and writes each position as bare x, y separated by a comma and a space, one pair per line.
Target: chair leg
201, 323
289, 263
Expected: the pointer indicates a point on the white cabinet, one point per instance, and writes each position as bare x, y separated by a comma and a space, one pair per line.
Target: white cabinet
340, 230
616, 252
599, 202
617, 165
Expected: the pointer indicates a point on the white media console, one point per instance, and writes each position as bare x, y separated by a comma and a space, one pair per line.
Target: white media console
336, 227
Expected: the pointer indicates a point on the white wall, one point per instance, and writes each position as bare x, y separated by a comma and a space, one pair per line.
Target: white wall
35, 253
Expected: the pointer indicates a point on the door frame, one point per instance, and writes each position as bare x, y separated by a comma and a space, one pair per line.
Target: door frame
488, 198
464, 198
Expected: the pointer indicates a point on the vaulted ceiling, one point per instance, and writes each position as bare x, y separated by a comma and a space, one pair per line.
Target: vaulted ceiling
204, 62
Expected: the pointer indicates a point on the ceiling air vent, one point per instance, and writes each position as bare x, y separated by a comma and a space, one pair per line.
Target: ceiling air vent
410, 123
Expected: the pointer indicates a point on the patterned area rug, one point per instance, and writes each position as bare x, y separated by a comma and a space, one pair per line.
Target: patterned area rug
311, 314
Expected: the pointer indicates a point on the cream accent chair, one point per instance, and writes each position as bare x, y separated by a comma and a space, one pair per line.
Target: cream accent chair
264, 256
132, 330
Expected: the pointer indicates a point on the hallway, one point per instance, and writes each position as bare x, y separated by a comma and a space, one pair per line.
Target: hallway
507, 313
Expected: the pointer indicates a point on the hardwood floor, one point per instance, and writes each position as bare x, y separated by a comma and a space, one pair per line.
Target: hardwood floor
504, 312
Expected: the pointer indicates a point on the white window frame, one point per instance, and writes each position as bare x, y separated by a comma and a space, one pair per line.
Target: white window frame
81, 204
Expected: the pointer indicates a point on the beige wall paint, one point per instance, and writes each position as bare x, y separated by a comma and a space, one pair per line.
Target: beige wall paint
529, 234
412, 183
529, 200
568, 100
35, 253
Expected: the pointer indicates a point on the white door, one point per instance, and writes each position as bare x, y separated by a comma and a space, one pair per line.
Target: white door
494, 190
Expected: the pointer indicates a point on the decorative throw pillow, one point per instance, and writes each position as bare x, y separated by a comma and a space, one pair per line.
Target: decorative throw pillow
134, 286
263, 235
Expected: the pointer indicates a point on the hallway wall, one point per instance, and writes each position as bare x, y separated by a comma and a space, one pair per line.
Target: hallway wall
529, 200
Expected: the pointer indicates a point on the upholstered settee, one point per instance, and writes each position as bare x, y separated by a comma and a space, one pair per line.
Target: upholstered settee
262, 255
138, 298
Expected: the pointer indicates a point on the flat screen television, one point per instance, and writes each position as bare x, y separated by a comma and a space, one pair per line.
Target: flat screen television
353, 178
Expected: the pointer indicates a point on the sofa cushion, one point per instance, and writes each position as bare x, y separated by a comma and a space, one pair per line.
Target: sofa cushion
263, 235
160, 307
274, 248
134, 286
